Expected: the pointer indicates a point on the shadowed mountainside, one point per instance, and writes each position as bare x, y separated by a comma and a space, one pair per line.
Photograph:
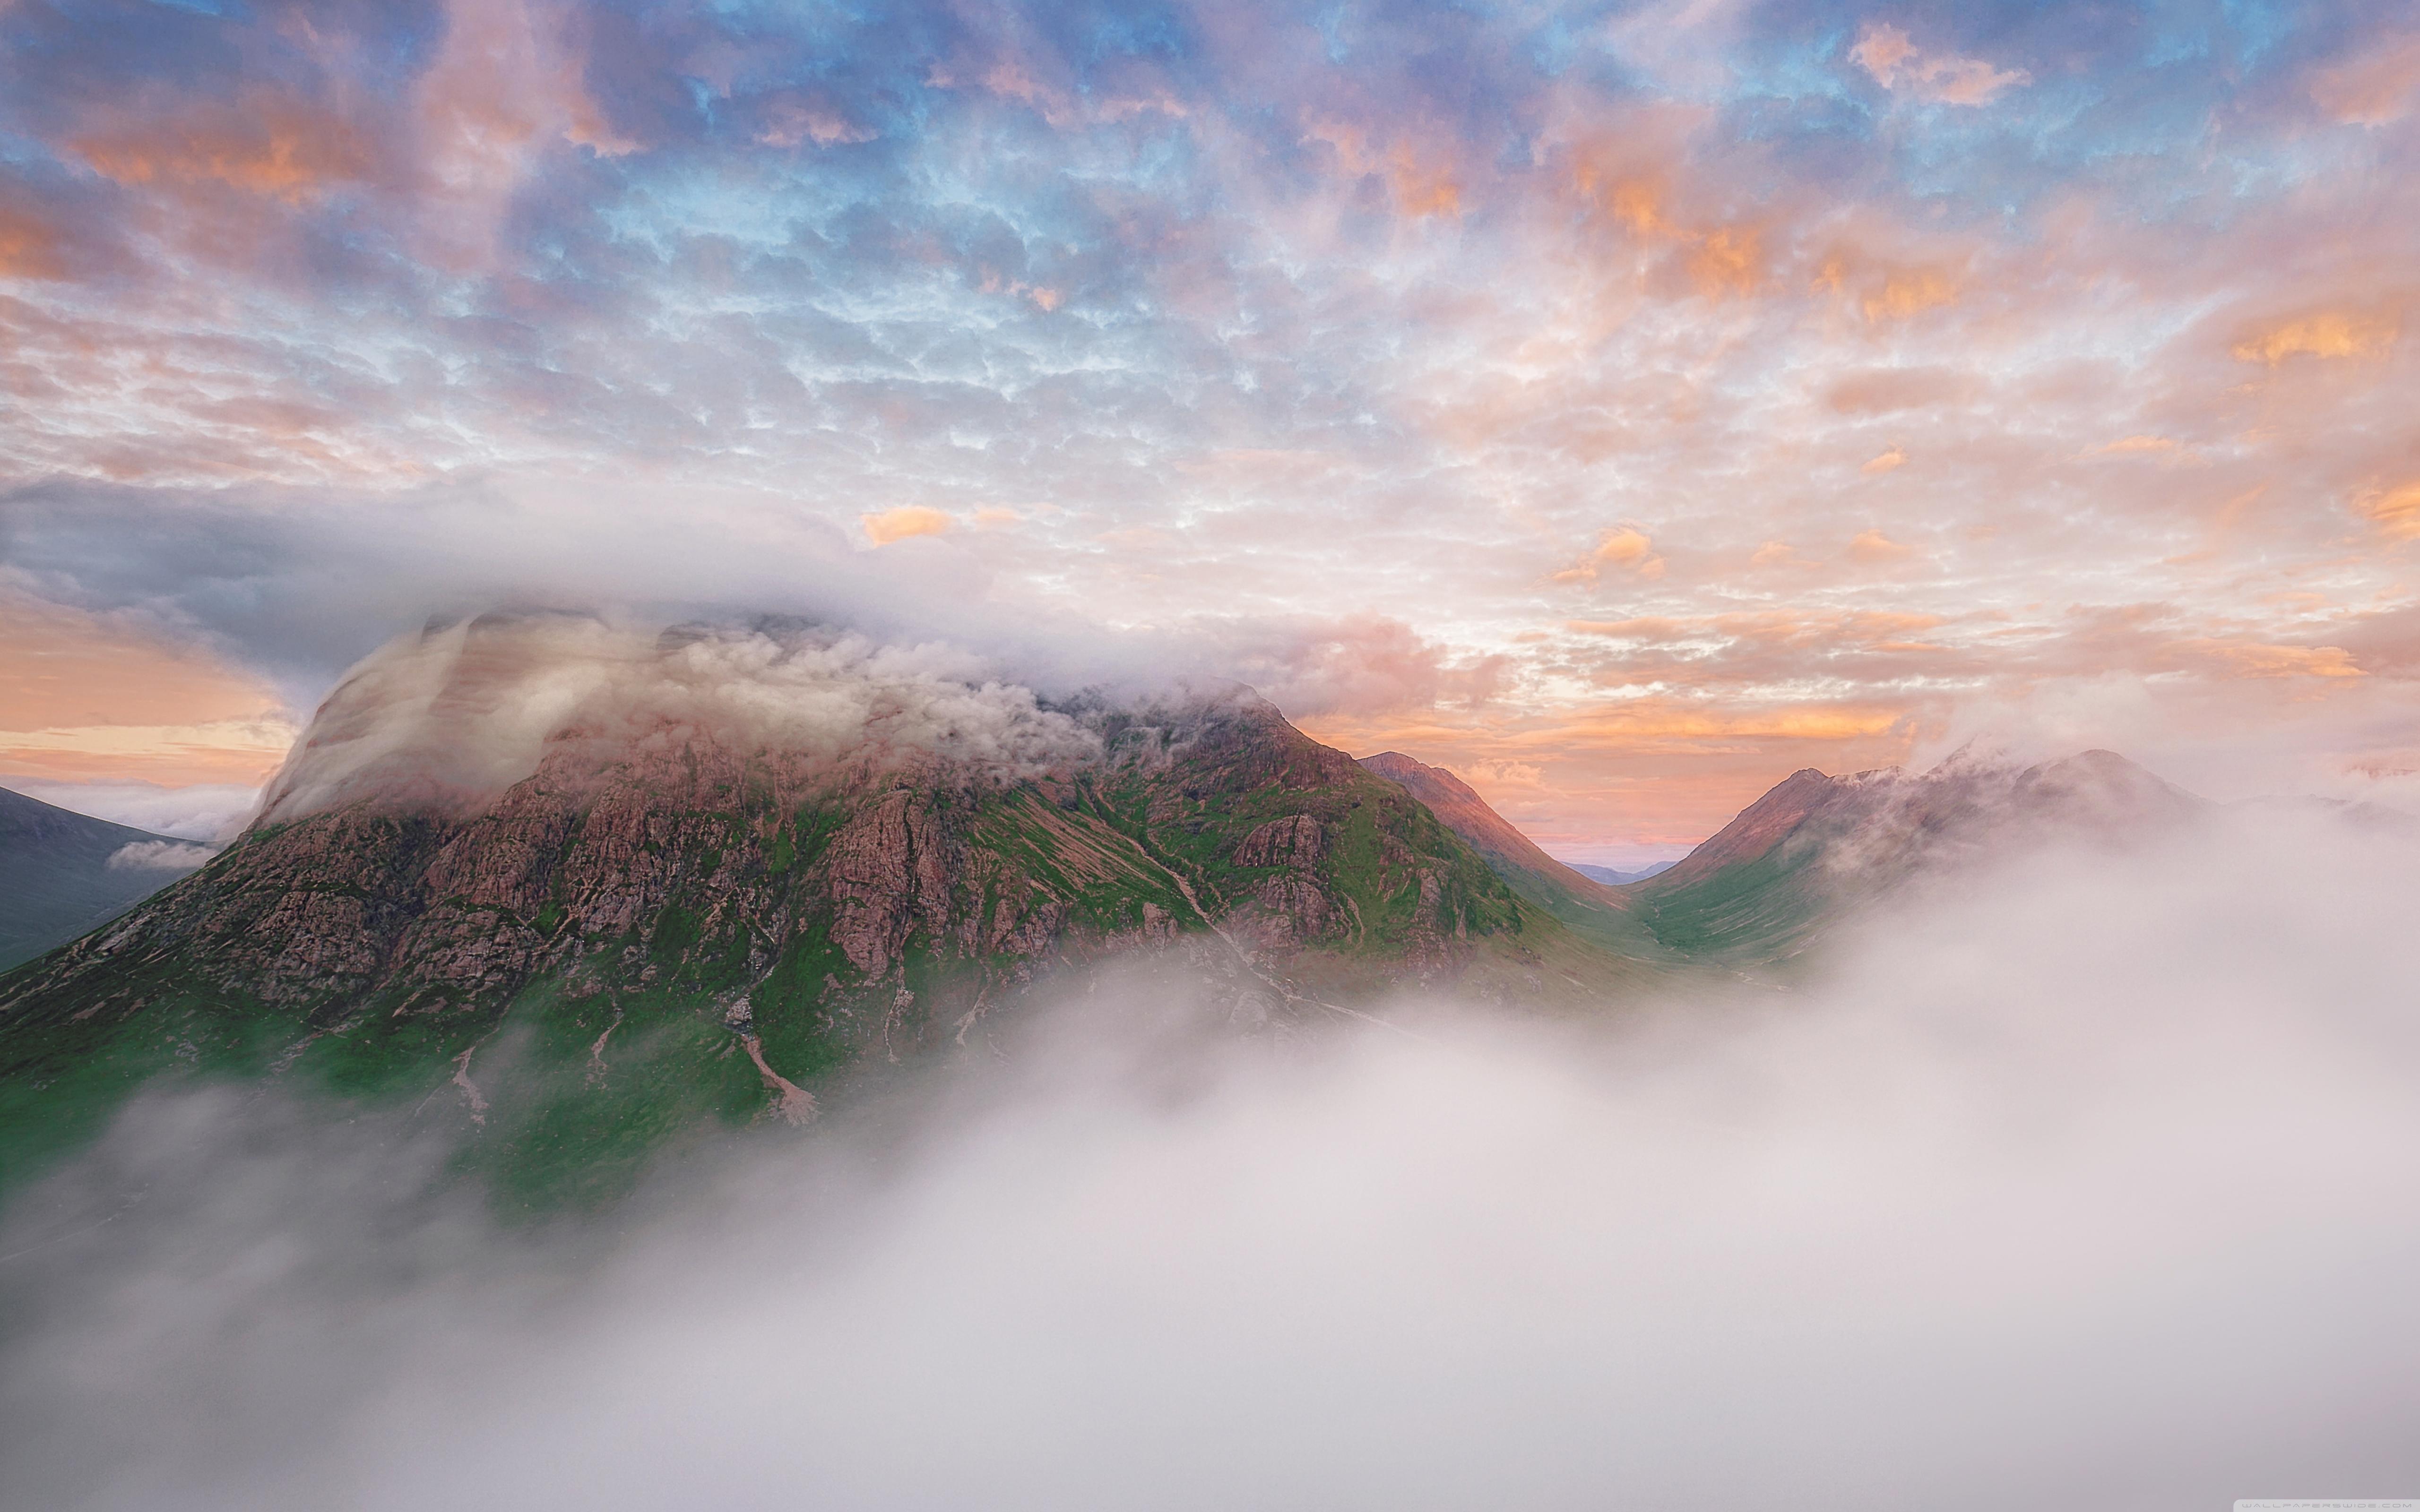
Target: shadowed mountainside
58, 878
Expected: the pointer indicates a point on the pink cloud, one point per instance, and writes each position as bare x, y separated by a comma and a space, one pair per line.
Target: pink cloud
1886, 51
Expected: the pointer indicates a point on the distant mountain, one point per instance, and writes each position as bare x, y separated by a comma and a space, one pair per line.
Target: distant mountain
1804, 855
1580, 902
727, 871
63, 872
1612, 878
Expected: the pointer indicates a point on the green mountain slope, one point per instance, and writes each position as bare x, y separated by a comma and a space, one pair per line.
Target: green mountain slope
1815, 849
1587, 906
681, 931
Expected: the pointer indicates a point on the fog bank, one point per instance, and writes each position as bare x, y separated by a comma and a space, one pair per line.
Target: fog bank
2089, 1187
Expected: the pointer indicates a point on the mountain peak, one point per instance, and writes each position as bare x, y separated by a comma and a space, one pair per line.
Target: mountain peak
815, 851
1780, 869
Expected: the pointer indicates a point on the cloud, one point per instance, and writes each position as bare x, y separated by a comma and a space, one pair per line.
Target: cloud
160, 855
2374, 88
1873, 546
282, 149
2113, 1149
2329, 333
1910, 291
1624, 549
1888, 461
2396, 511
2246, 660
30, 247
1884, 52
194, 811
1311, 668
450, 718
422, 312
1890, 390
905, 522
2136, 445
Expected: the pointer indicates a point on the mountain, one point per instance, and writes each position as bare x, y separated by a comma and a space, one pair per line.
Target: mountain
642, 884
1612, 878
63, 872
1815, 847
1582, 904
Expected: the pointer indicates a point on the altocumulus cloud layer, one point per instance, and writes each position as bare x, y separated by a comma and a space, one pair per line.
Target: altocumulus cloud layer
2088, 1187
1719, 389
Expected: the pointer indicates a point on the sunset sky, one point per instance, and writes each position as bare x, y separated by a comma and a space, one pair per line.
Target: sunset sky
1623, 405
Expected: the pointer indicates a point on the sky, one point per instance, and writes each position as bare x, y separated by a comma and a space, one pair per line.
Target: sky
1622, 406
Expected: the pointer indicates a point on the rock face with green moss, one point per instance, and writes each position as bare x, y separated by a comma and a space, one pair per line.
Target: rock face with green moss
673, 926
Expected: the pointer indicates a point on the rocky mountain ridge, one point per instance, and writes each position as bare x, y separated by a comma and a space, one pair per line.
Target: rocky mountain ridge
1816, 848
672, 922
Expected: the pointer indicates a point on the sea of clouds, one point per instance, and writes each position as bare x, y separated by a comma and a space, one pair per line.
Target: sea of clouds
2088, 1184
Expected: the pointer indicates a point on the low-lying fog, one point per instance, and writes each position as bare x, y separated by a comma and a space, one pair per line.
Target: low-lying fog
2096, 1186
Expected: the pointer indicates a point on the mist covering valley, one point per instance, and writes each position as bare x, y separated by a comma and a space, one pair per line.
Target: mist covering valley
2083, 1179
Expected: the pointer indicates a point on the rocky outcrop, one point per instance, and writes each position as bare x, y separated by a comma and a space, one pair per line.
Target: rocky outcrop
1298, 840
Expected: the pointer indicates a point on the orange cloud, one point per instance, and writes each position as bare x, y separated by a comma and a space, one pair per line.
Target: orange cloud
2329, 334
280, 149
1726, 259
29, 247
1423, 190
1420, 188
2397, 511
1624, 549
1873, 546
1888, 461
243, 752
1910, 291
2252, 660
1898, 64
2135, 444
1726, 262
82, 699
902, 522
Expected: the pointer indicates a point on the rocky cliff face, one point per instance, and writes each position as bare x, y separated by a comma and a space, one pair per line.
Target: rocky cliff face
753, 917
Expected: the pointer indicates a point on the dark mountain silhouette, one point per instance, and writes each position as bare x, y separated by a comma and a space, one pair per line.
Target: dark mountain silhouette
63, 872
